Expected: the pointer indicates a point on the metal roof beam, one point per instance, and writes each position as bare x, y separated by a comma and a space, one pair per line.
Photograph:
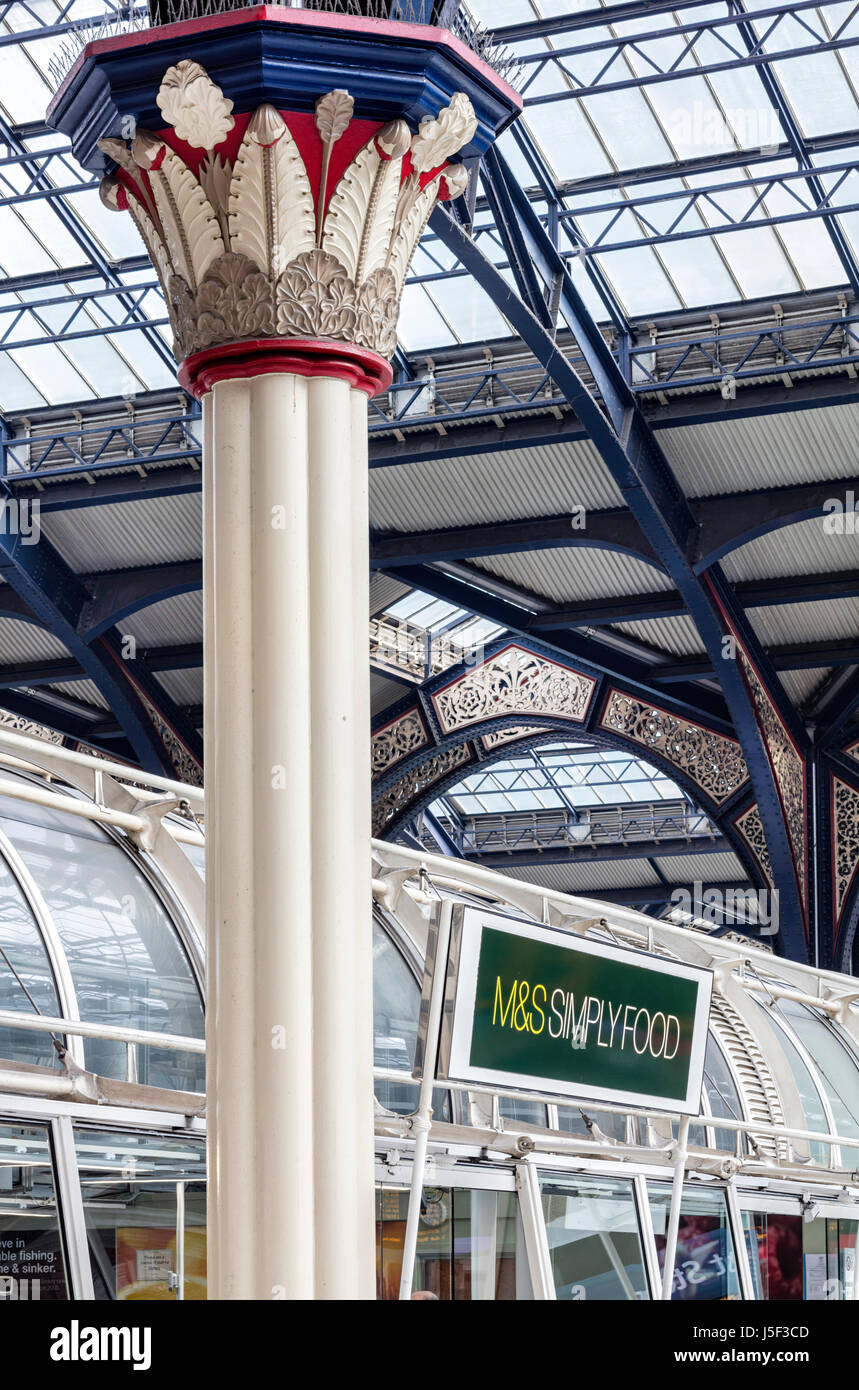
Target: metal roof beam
719, 525
643, 476
755, 593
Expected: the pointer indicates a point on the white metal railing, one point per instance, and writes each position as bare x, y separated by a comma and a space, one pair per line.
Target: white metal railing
152, 792
419, 873
406, 649
131, 1038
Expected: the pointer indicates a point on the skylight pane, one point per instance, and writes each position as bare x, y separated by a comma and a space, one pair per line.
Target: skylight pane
24, 94
17, 391
819, 93
20, 253
758, 262
629, 129
420, 324
53, 374
567, 141
469, 310
640, 282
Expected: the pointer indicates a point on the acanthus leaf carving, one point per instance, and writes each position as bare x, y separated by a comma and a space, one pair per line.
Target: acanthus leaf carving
333, 114
194, 105
234, 301
241, 251
446, 134
270, 200
190, 227
316, 297
413, 212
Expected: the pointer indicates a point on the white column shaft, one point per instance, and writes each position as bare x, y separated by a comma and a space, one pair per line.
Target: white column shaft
288, 796
342, 961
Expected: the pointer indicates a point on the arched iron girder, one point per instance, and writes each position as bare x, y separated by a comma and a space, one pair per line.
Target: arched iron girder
56, 597
641, 472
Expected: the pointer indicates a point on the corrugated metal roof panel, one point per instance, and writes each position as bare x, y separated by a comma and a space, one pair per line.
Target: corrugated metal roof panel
740, 455
384, 693
678, 636
825, 620
183, 687
701, 868
543, 480
585, 878
384, 590
85, 692
804, 548
21, 641
153, 531
570, 573
802, 684
172, 621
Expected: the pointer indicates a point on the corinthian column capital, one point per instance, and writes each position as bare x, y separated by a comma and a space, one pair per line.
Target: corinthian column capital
272, 226
281, 177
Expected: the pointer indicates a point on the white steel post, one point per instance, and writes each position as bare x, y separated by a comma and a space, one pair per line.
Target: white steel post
680, 1156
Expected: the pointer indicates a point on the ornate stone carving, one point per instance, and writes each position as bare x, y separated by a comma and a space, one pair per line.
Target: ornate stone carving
197, 110
751, 827
845, 829
397, 798
404, 735
241, 250
788, 768
715, 763
502, 736
514, 681
853, 751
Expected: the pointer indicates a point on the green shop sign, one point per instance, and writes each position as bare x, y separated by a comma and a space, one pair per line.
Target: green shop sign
535, 1009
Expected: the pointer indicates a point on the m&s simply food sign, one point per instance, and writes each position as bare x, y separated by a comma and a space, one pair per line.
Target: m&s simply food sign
536, 1009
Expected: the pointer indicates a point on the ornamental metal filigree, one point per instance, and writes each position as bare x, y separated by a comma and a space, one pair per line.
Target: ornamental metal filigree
715, 763
183, 762
242, 248
22, 725
502, 736
403, 794
788, 768
751, 827
397, 740
514, 681
845, 824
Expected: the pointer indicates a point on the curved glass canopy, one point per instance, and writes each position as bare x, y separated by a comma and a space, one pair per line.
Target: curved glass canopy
83, 933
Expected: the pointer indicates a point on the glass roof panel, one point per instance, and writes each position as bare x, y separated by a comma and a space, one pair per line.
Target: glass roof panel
694, 117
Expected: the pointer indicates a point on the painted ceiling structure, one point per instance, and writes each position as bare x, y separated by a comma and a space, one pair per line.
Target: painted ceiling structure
615, 597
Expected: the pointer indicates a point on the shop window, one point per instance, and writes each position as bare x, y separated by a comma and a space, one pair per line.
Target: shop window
129, 1184
26, 979
594, 1239
705, 1267
794, 1258
468, 1245
32, 1265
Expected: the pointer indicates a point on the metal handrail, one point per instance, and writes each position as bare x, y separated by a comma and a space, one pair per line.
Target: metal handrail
48, 1023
